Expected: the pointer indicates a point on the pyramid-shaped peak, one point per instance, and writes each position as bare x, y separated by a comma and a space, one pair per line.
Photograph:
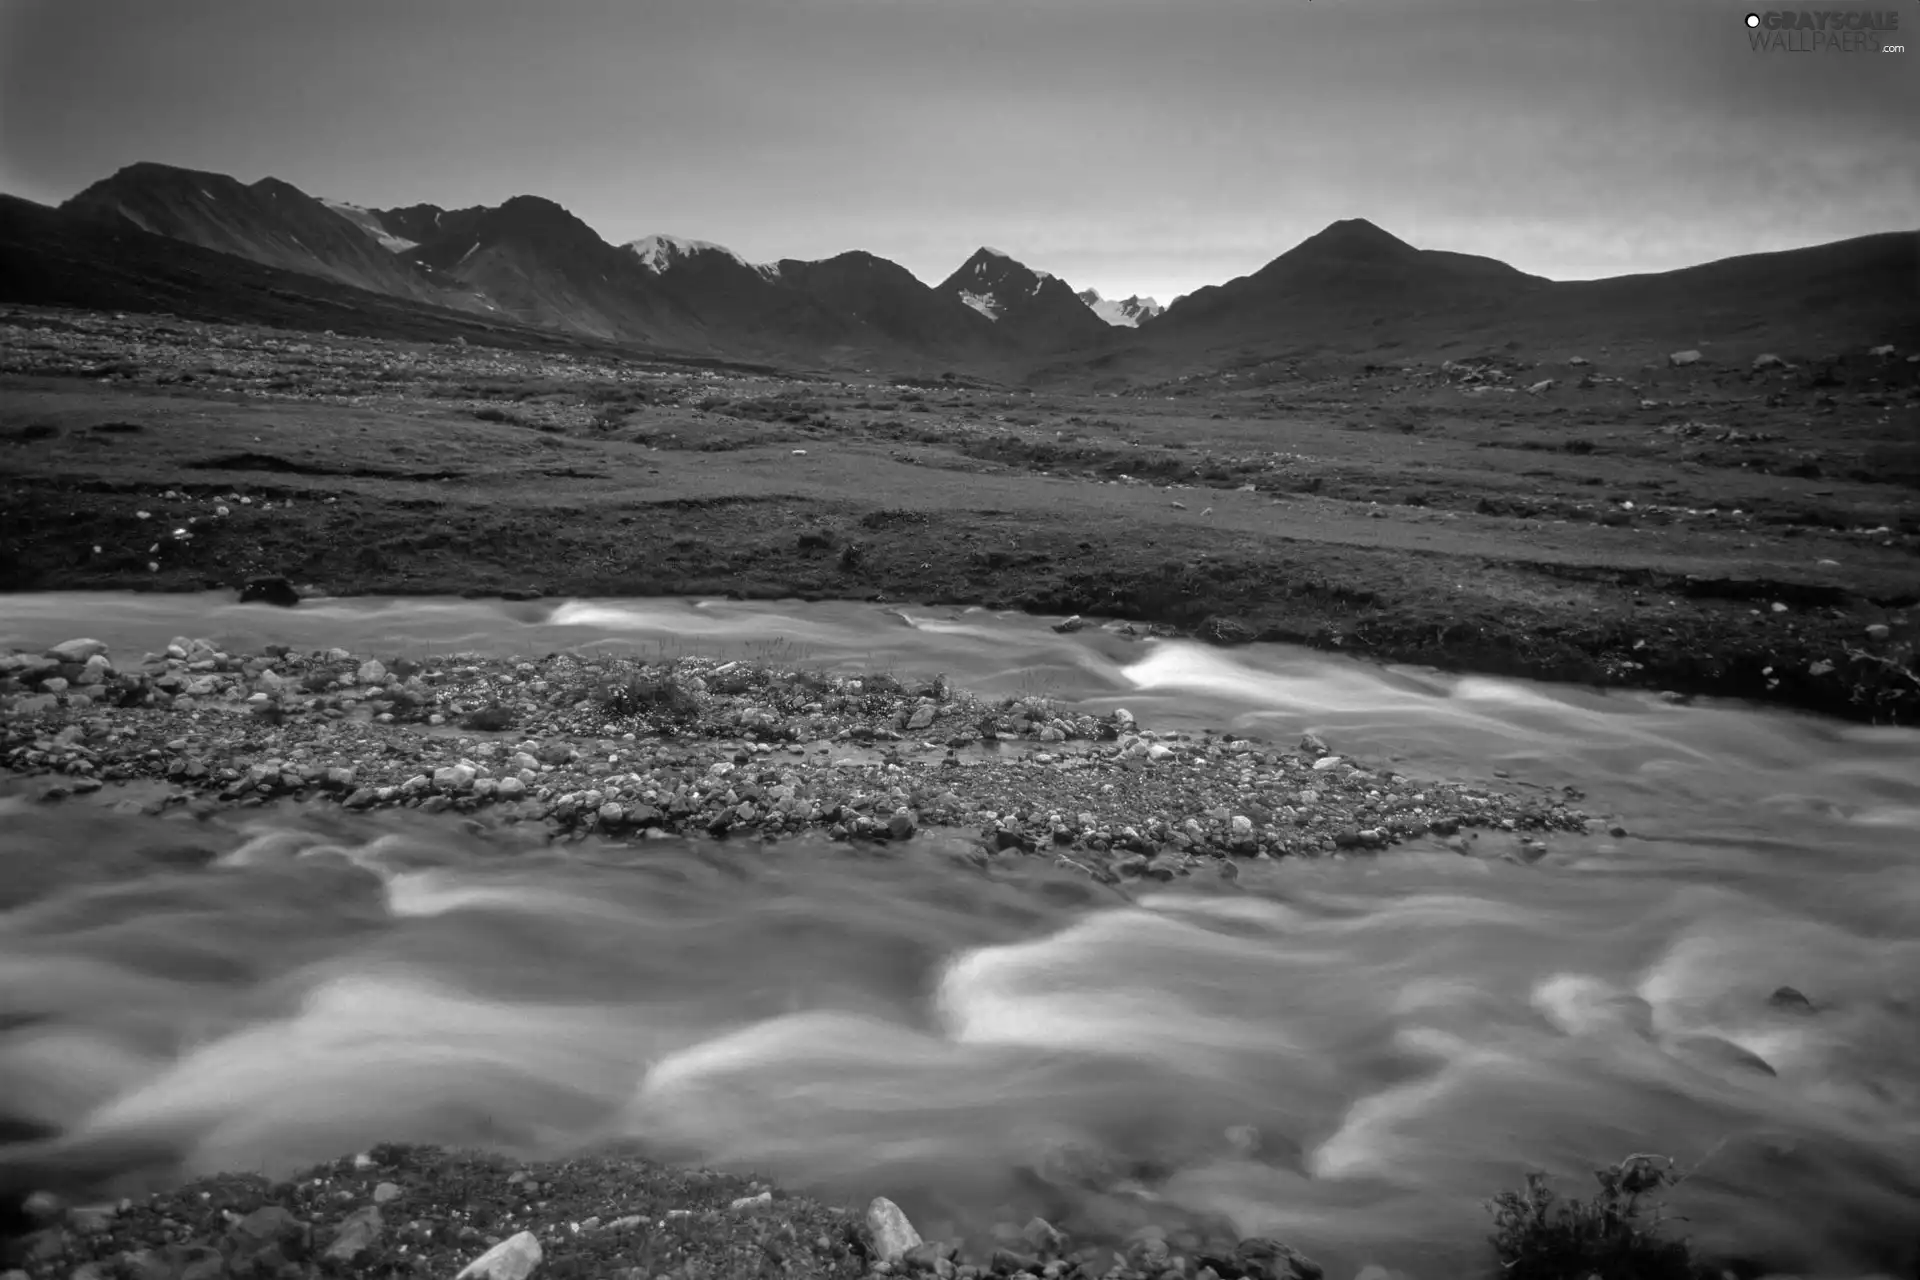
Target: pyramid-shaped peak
1357, 237
996, 264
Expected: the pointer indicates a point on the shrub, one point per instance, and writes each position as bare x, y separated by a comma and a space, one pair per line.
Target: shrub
655, 696
1538, 1236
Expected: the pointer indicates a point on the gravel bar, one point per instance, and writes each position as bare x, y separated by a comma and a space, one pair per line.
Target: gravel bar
399, 1211
628, 749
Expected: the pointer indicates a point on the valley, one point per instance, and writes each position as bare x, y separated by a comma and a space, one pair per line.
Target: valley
1695, 530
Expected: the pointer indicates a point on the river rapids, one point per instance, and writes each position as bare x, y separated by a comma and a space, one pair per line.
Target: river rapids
1350, 1055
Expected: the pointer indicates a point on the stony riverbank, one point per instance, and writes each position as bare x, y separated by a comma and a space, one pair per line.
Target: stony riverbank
401, 1211
625, 748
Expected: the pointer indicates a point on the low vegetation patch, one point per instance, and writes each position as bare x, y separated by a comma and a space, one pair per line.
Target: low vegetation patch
1616, 1235
641, 693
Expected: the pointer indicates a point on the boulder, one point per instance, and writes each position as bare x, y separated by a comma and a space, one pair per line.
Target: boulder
514, 1258
892, 1234
76, 651
274, 590
1680, 359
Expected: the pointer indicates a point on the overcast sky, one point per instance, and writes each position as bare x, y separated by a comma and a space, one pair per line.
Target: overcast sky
1129, 145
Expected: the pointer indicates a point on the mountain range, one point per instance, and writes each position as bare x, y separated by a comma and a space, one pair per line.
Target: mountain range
527, 271
1124, 311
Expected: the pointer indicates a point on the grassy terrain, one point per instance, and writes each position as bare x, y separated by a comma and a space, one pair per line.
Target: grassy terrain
1708, 529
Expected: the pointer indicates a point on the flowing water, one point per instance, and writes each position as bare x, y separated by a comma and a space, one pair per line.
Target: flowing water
1404, 1035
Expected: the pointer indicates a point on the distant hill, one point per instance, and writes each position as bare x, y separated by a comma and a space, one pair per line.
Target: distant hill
55, 258
1033, 309
1818, 300
1338, 286
532, 260
269, 222
887, 298
1356, 290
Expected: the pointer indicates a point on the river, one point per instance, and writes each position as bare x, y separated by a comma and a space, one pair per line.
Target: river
1404, 1034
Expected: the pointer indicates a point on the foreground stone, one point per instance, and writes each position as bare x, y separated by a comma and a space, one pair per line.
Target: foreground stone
893, 1235
514, 1258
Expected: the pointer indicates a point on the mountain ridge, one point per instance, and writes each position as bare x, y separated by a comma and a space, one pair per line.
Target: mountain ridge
1350, 290
1130, 312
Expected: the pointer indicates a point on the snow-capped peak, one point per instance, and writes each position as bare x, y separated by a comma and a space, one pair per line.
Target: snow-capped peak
658, 252
364, 219
1128, 312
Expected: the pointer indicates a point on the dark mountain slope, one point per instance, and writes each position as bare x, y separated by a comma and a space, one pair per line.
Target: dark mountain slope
269, 222
52, 258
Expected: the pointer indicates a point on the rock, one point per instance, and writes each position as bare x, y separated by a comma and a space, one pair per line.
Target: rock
386, 1193
355, 1234
1067, 625
274, 590
1044, 1238
177, 1262
454, 777
91, 1219
1721, 1052
752, 1204
76, 651
892, 1234
1325, 763
512, 1259
1544, 385
1769, 361
1312, 745
1010, 1262
1159, 751
1259, 1258
256, 1236
1680, 359
511, 789
1240, 826
1879, 631
372, 671
1885, 351
1225, 630
922, 718
930, 1256
1578, 360
901, 824
1790, 1000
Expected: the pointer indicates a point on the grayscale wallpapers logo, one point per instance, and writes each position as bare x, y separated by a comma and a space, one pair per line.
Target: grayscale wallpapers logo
1825, 31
